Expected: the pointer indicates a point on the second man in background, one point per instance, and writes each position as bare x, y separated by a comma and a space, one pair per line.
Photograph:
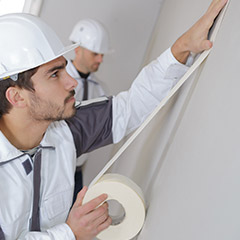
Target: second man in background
93, 42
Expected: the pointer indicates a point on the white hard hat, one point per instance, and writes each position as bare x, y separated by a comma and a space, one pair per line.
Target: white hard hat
92, 35
26, 42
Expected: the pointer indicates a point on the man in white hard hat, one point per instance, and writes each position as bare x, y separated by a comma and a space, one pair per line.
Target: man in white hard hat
93, 40
42, 132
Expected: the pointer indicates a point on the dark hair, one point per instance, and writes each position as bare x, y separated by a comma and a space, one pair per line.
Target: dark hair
24, 81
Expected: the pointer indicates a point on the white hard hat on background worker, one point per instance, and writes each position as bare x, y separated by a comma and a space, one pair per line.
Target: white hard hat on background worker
29, 51
92, 35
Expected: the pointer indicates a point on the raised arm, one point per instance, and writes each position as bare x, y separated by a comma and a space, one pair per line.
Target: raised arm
154, 82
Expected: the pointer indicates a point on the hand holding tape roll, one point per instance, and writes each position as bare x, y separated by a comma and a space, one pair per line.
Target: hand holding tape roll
123, 189
129, 196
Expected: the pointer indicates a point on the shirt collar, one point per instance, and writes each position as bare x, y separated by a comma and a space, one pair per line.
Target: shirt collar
74, 72
9, 152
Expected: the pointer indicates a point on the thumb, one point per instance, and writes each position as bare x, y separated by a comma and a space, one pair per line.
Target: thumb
206, 44
80, 197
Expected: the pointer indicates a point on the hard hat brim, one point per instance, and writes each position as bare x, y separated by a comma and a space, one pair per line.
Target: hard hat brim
64, 51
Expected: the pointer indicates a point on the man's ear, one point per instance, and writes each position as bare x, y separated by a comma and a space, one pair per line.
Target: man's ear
78, 49
15, 97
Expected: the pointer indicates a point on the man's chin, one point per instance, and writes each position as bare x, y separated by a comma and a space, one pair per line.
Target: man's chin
95, 68
73, 112
70, 113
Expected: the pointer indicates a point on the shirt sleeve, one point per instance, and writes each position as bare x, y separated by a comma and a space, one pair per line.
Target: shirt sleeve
58, 232
91, 126
101, 123
131, 108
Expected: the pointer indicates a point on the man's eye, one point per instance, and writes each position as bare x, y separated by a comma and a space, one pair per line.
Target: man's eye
54, 75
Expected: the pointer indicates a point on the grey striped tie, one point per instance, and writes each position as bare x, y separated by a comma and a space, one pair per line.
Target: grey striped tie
85, 90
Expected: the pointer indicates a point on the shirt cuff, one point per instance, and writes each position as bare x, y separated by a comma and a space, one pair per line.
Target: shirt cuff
61, 232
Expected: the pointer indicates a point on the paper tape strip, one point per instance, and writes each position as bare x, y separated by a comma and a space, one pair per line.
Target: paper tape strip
195, 65
121, 188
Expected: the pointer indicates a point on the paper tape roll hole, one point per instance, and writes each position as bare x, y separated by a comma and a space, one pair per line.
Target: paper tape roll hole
127, 203
116, 211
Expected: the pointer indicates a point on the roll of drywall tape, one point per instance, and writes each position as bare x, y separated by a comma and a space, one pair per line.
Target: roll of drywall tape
129, 195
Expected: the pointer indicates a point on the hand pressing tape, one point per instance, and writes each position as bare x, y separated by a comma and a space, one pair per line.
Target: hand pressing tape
129, 195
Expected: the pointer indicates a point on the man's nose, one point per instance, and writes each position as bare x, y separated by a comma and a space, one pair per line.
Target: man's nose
100, 58
70, 82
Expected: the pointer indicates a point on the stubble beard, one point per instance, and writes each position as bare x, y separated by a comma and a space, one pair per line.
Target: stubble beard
48, 111
94, 67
